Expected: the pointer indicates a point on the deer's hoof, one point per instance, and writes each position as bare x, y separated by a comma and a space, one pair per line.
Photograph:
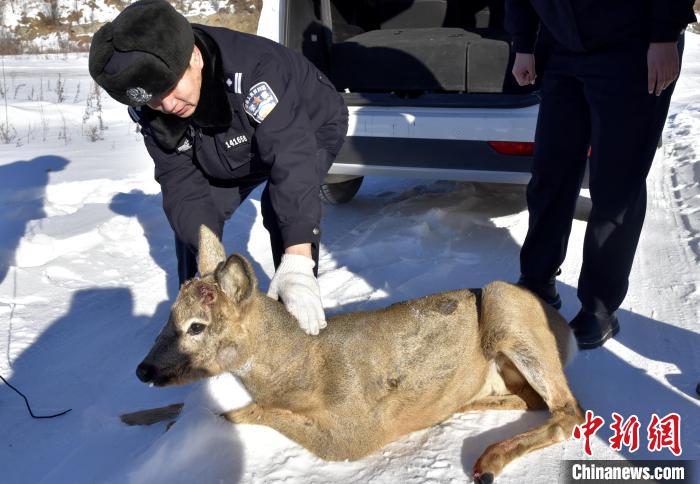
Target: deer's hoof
486, 478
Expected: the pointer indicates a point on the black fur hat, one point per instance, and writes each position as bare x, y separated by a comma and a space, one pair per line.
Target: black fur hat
142, 53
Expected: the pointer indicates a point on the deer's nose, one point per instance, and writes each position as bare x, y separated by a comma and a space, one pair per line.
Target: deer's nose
145, 372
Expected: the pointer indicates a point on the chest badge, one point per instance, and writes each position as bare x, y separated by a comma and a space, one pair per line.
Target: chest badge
186, 145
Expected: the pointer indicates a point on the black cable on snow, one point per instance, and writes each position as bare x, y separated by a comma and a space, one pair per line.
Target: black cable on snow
27, 403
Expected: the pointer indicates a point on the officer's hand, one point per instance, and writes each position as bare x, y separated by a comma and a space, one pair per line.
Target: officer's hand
663, 65
296, 284
524, 69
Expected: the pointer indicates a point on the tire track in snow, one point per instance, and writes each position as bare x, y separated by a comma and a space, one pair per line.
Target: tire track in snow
681, 190
684, 186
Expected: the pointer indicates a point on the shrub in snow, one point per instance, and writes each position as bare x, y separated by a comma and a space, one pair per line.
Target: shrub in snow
93, 126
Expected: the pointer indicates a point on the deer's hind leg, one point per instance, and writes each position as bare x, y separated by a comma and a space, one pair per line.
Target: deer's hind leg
565, 413
521, 397
530, 348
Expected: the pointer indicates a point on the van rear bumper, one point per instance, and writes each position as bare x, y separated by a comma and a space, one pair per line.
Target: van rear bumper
466, 160
441, 143
444, 100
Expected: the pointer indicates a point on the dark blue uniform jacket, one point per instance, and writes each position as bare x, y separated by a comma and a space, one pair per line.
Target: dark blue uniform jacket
589, 25
234, 135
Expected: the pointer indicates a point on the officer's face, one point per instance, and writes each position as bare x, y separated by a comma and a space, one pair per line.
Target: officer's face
183, 98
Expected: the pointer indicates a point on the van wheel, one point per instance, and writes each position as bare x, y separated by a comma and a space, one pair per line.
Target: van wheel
341, 192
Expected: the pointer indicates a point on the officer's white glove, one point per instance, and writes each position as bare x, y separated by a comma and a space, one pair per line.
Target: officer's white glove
296, 284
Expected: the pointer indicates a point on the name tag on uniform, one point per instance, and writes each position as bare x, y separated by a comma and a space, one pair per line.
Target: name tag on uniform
235, 141
260, 101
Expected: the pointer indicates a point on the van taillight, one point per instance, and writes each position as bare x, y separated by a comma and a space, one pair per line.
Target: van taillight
517, 148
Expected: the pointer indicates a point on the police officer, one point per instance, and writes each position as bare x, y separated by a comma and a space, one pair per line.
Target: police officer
608, 71
221, 112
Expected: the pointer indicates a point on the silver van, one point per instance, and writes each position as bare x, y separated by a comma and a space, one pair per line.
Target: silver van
427, 84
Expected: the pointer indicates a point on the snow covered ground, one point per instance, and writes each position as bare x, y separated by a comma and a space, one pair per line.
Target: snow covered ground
87, 273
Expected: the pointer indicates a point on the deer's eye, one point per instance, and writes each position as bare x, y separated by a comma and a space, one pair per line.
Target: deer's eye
196, 328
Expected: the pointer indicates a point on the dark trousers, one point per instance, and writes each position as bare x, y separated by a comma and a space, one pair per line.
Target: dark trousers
228, 199
596, 99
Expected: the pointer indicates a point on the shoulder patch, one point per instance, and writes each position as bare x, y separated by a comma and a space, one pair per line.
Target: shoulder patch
260, 101
234, 82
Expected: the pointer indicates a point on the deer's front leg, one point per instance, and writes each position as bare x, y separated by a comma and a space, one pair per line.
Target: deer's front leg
282, 420
302, 429
250, 414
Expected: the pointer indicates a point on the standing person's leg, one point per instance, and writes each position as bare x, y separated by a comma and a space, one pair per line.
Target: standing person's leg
561, 144
627, 123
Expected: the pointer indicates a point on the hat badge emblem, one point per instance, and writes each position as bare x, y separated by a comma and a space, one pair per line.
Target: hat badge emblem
138, 95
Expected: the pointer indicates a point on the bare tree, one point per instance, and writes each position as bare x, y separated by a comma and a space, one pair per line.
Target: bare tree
44, 124
60, 89
93, 110
7, 132
63, 131
54, 15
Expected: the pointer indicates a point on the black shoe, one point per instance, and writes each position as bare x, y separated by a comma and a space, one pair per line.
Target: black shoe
546, 291
593, 329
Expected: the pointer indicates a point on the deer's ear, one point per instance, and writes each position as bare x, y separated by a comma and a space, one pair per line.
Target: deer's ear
237, 278
211, 251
